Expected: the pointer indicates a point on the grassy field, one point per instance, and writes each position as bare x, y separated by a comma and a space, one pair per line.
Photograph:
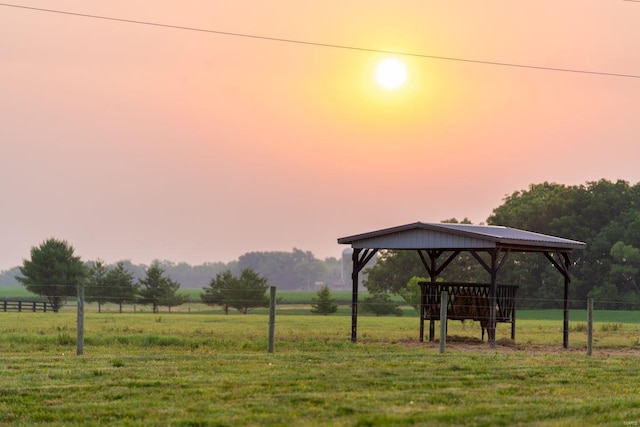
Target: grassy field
202, 368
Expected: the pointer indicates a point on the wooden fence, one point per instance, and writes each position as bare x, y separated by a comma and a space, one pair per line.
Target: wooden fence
20, 305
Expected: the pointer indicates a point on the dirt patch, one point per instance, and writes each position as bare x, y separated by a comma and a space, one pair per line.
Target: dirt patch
505, 345
463, 343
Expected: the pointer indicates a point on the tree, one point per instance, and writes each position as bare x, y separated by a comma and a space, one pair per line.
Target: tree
624, 275
242, 293
393, 271
96, 284
381, 304
53, 272
289, 270
8, 277
158, 290
120, 285
411, 293
600, 213
113, 284
251, 292
218, 290
324, 303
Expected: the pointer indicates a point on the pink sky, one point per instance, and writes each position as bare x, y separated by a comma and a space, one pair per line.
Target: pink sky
139, 142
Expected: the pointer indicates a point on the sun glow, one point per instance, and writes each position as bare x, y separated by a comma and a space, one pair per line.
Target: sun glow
391, 73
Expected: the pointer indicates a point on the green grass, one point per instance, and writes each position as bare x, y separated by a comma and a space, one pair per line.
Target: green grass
15, 292
606, 316
297, 297
208, 369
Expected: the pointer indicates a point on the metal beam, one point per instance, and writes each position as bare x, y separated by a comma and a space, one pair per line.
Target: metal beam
359, 262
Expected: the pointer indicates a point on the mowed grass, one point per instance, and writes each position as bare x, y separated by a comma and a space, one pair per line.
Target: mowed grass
204, 368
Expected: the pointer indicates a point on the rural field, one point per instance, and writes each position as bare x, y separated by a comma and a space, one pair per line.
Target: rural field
198, 367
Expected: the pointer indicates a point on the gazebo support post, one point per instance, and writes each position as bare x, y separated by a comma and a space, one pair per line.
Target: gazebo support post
423, 307
493, 299
563, 267
354, 296
434, 271
431, 267
492, 268
565, 320
565, 324
358, 264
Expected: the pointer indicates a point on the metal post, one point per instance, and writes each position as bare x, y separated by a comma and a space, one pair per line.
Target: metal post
443, 320
272, 317
589, 326
423, 305
354, 294
493, 300
565, 315
80, 341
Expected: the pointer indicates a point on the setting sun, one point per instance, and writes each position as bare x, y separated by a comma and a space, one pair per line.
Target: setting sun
391, 73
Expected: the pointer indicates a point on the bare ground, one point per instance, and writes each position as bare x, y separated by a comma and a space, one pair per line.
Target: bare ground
504, 345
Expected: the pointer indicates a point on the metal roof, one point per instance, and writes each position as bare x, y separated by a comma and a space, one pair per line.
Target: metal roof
421, 235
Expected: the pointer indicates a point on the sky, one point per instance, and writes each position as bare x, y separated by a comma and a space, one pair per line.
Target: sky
140, 142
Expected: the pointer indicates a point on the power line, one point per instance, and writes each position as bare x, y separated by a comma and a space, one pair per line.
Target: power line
327, 45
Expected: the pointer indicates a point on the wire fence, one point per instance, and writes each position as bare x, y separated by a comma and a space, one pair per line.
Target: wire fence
106, 303
542, 326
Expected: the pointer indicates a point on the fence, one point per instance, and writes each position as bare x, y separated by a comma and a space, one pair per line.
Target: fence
22, 305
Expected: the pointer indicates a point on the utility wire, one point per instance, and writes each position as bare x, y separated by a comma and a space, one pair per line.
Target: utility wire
328, 45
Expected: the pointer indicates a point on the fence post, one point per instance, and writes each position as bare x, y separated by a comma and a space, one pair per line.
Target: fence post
80, 340
443, 320
272, 317
589, 326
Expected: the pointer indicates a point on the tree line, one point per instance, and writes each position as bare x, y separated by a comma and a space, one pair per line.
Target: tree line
56, 273
603, 214
295, 270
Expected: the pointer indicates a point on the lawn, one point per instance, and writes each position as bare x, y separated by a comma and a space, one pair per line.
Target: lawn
203, 368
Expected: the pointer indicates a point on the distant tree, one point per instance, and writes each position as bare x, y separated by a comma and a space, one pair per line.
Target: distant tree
192, 276
219, 289
158, 290
53, 272
412, 292
624, 277
393, 271
251, 293
121, 287
333, 268
381, 304
8, 277
324, 303
242, 293
138, 271
96, 284
288, 270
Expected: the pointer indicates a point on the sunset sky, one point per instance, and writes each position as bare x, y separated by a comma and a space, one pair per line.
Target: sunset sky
144, 142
